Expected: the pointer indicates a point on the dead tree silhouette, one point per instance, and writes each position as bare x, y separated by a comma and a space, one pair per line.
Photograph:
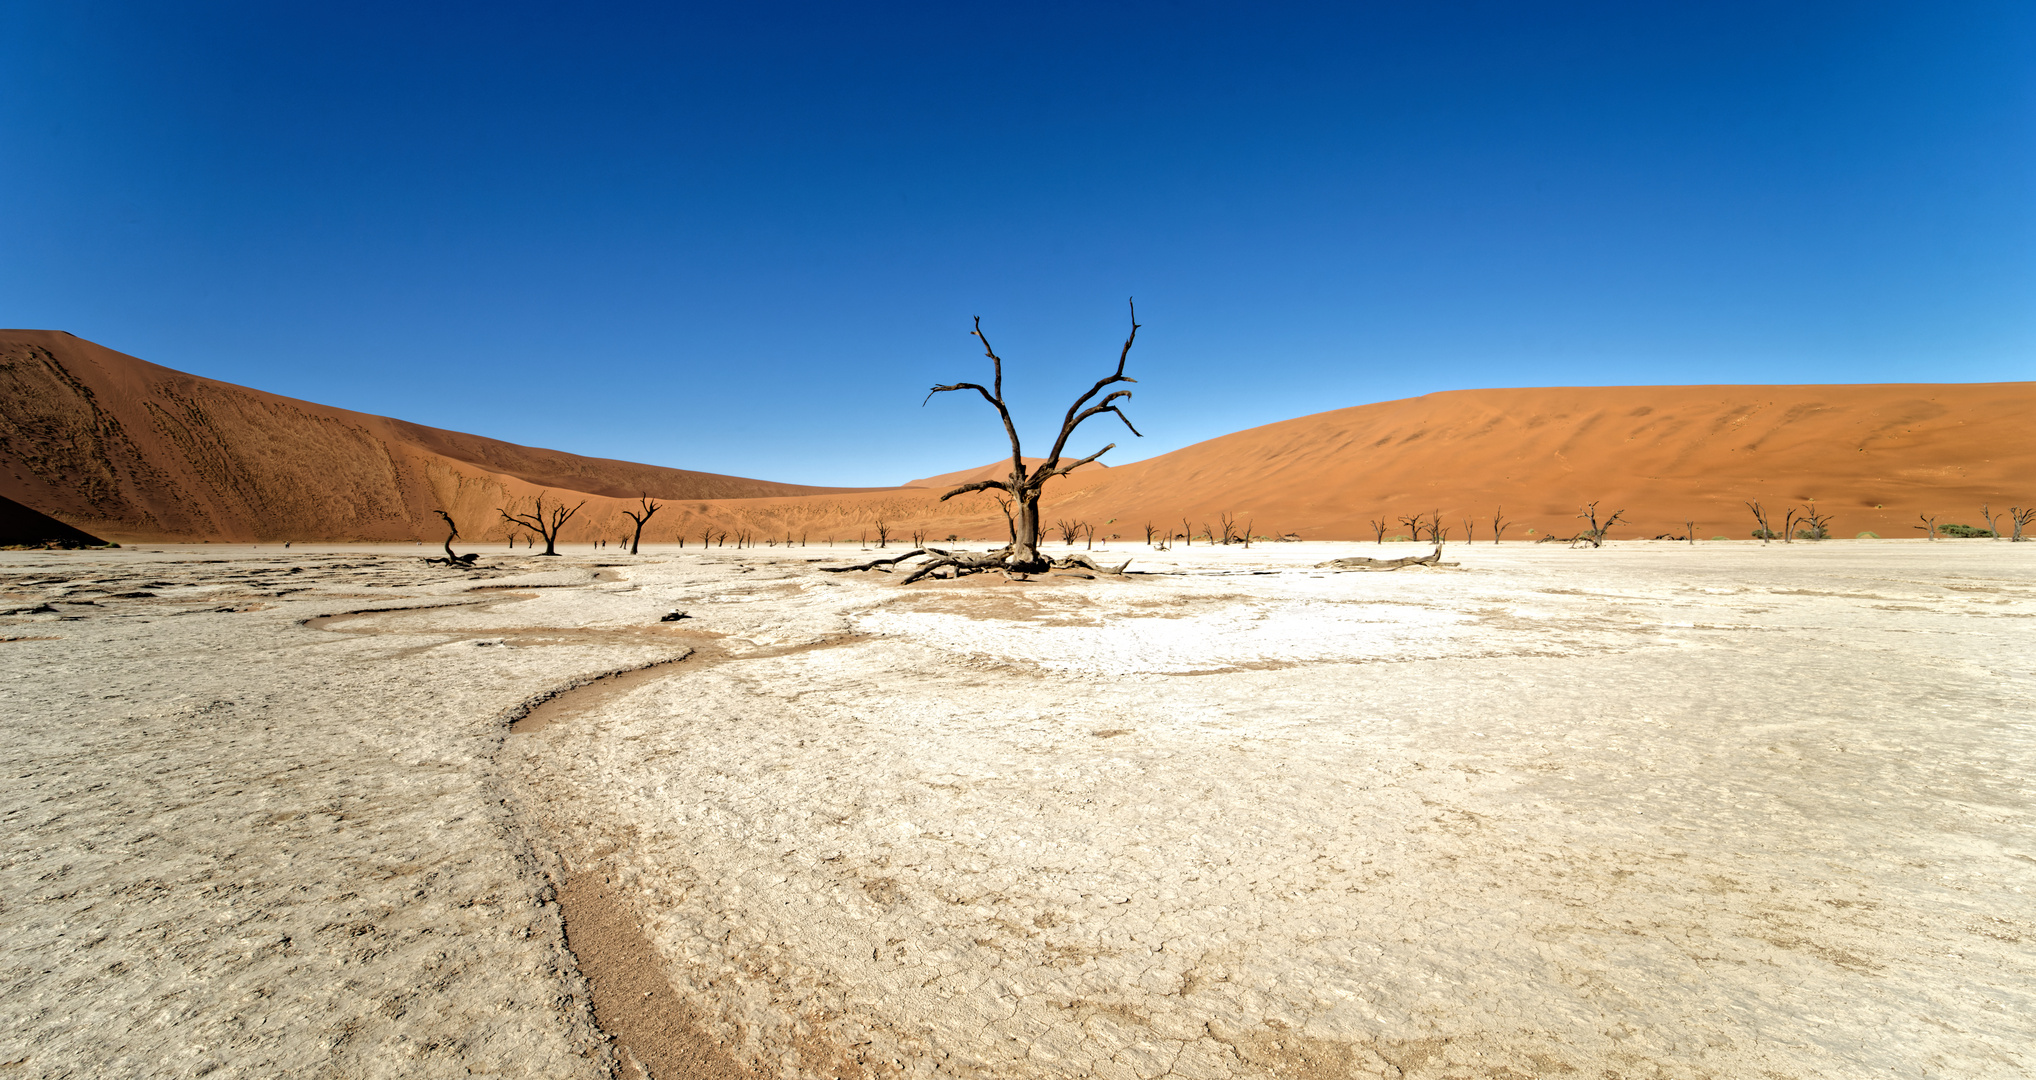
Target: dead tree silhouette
1023, 485
545, 523
640, 517
466, 561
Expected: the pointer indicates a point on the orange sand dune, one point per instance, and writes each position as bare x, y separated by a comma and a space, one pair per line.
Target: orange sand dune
1873, 456
128, 450
995, 470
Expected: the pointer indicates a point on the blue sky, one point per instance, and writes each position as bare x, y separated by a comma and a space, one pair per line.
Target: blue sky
747, 238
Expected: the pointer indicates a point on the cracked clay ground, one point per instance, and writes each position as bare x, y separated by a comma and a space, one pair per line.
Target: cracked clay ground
1650, 811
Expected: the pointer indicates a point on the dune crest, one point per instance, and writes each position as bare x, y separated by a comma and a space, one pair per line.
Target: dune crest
128, 450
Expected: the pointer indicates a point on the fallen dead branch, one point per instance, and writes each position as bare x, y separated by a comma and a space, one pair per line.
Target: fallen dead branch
1359, 562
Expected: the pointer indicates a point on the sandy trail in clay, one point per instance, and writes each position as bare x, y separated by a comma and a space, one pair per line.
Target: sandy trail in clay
1651, 810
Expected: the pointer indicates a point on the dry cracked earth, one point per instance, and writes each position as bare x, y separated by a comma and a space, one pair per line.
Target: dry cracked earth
1729, 810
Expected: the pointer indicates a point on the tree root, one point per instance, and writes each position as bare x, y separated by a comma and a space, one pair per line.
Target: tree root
960, 564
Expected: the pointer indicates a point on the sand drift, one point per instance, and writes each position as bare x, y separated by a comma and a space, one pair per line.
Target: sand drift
1648, 810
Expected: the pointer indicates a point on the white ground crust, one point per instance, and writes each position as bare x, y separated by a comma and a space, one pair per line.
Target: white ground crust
1728, 810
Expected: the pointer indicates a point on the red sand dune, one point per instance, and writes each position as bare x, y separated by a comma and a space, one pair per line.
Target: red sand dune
995, 470
132, 451
129, 450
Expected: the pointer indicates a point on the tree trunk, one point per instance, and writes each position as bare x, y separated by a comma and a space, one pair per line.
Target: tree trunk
1025, 557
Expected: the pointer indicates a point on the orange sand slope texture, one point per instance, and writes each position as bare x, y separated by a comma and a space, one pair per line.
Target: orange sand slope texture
1874, 457
132, 451
995, 470
128, 450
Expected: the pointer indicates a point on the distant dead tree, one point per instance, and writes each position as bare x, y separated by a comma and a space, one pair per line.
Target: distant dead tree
2020, 517
883, 532
1470, 531
1068, 530
1690, 532
1819, 524
640, 515
1414, 525
1595, 536
545, 523
453, 533
1025, 485
1378, 528
1789, 525
1986, 514
1929, 525
1499, 524
1761, 532
1187, 533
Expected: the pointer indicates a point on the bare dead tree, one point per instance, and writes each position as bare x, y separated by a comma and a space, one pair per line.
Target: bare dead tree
2020, 517
1986, 514
1789, 525
1761, 532
453, 533
545, 523
1025, 484
1499, 524
1378, 528
1819, 524
1187, 533
883, 532
1088, 536
1690, 532
1595, 535
1470, 531
1068, 530
1929, 525
1414, 525
707, 537
1247, 532
645, 508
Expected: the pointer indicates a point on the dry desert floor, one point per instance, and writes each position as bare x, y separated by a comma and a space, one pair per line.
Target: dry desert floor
1657, 810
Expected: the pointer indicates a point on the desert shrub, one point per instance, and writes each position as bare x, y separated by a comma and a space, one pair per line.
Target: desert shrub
1721, 538
1867, 536
1964, 532
1813, 534
1766, 534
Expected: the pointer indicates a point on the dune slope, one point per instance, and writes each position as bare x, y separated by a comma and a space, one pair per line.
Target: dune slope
129, 450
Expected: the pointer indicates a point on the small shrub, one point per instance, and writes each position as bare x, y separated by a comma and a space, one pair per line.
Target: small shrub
1721, 538
1766, 534
1964, 532
1867, 536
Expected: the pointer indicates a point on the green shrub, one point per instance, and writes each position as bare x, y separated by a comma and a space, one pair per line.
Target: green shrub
1721, 538
1867, 536
1964, 532
1766, 534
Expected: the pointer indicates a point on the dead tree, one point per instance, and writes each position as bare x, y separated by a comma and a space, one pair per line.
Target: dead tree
1470, 531
1499, 524
1789, 525
641, 515
1187, 533
1820, 524
883, 532
1025, 485
1690, 532
1595, 535
2020, 517
1761, 532
1414, 525
1378, 528
1068, 530
1986, 514
707, 537
1929, 525
453, 533
545, 523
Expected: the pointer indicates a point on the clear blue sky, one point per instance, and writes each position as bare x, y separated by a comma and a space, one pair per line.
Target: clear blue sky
746, 237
